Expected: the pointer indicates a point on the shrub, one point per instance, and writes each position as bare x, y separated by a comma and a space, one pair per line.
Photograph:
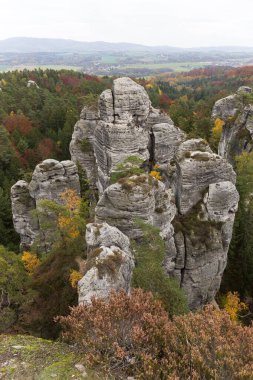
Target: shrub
149, 273
125, 334
234, 307
74, 277
133, 336
30, 261
212, 346
15, 289
129, 167
53, 291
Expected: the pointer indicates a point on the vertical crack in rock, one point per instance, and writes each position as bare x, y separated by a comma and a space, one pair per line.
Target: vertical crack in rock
185, 261
151, 148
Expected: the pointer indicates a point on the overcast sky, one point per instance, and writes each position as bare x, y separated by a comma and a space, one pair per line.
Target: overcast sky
184, 23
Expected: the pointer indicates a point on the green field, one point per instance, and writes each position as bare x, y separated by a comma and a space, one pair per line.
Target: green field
109, 59
175, 66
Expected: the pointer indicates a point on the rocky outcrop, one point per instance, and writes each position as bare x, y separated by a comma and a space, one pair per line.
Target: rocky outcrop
195, 205
206, 200
195, 217
81, 146
127, 125
109, 263
196, 168
23, 209
180, 186
50, 178
236, 114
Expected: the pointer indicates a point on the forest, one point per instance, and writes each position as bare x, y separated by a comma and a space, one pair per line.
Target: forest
36, 123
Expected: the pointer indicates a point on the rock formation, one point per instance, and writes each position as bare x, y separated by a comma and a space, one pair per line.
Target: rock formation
109, 262
193, 206
206, 200
126, 125
50, 178
236, 114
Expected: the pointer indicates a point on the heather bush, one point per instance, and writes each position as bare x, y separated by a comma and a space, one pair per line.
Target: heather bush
133, 336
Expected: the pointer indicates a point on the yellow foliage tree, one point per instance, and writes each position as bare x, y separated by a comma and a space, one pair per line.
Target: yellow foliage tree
67, 222
74, 277
217, 130
234, 306
30, 261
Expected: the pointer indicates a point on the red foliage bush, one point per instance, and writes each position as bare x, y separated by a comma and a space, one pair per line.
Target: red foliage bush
132, 336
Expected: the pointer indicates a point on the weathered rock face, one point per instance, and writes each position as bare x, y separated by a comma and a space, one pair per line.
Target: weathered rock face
23, 206
202, 237
197, 167
110, 263
137, 197
236, 112
196, 223
127, 126
50, 178
81, 146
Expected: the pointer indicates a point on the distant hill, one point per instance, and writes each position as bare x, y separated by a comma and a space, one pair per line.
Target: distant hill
35, 45
52, 45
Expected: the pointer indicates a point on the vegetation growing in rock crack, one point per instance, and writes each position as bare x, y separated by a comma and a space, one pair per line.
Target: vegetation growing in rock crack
149, 273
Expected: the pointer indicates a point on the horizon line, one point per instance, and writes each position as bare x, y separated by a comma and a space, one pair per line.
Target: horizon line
130, 43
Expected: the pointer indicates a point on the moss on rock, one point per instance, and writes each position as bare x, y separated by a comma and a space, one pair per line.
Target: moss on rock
27, 357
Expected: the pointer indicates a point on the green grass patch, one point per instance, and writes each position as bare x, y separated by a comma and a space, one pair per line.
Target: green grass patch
27, 357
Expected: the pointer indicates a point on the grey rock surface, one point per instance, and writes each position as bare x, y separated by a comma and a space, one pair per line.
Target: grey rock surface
50, 178
103, 234
196, 168
137, 197
23, 208
126, 125
112, 264
236, 112
202, 238
81, 145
